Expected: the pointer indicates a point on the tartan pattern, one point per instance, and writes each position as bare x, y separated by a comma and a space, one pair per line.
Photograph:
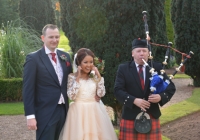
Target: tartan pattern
127, 131
53, 56
141, 76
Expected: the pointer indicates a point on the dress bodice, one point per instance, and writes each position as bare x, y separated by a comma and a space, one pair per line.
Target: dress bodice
87, 90
84, 90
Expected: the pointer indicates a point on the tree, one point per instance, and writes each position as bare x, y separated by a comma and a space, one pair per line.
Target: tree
157, 23
56, 7
186, 23
8, 10
37, 13
108, 28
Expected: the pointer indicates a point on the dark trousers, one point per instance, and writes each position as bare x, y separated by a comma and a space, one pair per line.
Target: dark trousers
55, 125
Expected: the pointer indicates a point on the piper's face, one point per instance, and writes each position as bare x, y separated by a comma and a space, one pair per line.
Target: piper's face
140, 53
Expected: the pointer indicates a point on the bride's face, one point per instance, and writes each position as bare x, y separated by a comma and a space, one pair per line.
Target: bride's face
87, 64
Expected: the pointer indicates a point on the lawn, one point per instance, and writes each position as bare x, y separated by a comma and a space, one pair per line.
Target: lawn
178, 76
14, 108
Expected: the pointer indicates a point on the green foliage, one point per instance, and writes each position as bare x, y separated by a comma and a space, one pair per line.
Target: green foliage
108, 28
170, 31
37, 13
64, 42
186, 22
157, 28
8, 10
16, 40
100, 64
11, 89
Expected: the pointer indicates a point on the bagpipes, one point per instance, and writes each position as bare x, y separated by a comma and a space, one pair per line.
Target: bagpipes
157, 84
143, 122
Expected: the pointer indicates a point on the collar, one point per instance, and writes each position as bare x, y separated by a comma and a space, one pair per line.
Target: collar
47, 51
136, 64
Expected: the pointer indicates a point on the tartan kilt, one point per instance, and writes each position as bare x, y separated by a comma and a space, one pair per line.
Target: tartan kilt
127, 131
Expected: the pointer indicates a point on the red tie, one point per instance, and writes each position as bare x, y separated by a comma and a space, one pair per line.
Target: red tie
141, 76
53, 57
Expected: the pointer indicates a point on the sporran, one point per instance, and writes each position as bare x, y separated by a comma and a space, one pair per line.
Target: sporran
142, 123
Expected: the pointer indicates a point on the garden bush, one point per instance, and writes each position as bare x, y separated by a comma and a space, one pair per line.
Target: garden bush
10, 89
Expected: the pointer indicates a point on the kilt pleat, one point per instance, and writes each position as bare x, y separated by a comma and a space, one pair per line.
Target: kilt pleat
127, 131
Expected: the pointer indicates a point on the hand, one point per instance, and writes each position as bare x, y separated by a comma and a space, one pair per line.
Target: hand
96, 71
97, 98
32, 124
154, 98
141, 103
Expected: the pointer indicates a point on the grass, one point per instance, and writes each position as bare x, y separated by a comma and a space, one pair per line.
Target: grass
164, 138
181, 109
178, 76
15, 108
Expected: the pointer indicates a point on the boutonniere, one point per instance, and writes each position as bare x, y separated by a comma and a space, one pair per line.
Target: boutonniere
64, 58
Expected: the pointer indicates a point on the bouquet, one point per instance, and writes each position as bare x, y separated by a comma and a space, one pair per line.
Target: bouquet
100, 64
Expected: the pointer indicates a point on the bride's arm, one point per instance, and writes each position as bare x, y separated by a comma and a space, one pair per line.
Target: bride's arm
72, 87
101, 88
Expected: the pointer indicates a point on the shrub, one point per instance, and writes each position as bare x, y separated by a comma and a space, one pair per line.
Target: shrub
11, 89
16, 40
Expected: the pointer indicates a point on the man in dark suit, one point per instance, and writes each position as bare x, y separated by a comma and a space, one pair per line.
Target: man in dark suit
45, 86
132, 89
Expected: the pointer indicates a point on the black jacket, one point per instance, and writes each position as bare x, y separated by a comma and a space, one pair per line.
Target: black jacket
127, 88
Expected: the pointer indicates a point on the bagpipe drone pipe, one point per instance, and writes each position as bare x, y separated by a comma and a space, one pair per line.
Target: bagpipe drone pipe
158, 84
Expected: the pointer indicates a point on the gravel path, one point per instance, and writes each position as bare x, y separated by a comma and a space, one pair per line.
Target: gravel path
184, 90
14, 127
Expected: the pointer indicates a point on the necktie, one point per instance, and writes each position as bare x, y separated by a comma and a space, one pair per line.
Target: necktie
53, 56
141, 76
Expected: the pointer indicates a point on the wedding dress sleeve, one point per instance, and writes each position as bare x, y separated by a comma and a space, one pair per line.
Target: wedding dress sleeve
101, 88
72, 87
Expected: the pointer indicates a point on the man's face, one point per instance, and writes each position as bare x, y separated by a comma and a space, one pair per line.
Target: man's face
140, 53
51, 38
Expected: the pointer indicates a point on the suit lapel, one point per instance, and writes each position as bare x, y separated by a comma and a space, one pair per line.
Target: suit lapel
48, 65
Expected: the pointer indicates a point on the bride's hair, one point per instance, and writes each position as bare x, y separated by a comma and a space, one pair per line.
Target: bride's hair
82, 53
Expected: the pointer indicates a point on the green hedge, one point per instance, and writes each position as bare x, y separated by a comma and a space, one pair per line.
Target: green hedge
10, 89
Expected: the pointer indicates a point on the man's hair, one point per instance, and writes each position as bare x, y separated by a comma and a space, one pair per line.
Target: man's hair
48, 26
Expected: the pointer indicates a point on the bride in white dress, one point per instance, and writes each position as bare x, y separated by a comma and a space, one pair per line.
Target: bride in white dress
87, 118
